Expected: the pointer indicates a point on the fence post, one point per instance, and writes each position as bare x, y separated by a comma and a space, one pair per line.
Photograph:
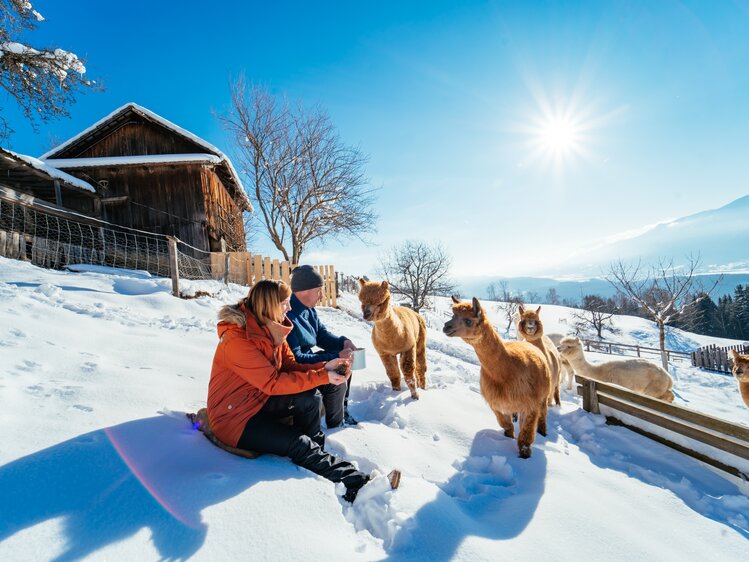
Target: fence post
638, 350
590, 398
171, 242
226, 261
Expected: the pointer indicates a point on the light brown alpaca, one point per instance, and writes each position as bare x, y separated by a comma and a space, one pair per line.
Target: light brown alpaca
568, 373
397, 331
741, 372
638, 375
514, 375
531, 329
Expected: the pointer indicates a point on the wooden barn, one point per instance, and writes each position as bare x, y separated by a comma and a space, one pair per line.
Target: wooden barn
152, 175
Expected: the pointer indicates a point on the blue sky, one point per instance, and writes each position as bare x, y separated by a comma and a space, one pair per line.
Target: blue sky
514, 132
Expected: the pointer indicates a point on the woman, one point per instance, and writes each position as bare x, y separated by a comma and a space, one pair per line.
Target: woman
256, 382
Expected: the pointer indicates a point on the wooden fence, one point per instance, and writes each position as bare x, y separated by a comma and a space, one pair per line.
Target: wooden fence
613, 348
714, 358
245, 268
716, 433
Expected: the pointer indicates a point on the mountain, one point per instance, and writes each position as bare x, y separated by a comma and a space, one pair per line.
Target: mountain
719, 236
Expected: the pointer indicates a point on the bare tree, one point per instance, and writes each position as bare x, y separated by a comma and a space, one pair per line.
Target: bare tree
532, 296
552, 297
306, 183
508, 302
595, 313
662, 290
417, 270
43, 82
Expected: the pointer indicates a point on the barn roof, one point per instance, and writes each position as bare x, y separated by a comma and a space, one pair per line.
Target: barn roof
102, 162
118, 118
27, 170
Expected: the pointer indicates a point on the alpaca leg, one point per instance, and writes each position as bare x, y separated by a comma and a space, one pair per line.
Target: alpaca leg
527, 433
505, 423
570, 375
391, 368
408, 366
541, 428
421, 355
557, 400
667, 396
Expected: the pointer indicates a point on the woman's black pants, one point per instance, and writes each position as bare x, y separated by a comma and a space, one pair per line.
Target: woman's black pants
302, 441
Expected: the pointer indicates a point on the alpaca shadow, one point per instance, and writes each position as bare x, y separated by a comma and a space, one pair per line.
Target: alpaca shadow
698, 486
156, 473
493, 495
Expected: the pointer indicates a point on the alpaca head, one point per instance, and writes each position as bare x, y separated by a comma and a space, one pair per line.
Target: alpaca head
375, 299
740, 366
570, 346
467, 320
529, 323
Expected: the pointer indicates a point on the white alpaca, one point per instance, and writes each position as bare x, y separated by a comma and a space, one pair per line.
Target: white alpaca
568, 372
637, 375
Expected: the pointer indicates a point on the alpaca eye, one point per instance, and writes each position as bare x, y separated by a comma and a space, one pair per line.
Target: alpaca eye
468, 321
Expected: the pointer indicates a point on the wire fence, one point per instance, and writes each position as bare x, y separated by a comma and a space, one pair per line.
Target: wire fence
53, 239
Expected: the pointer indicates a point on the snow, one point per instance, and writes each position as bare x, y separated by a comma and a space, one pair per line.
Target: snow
99, 462
164, 122
133, 160
50, 170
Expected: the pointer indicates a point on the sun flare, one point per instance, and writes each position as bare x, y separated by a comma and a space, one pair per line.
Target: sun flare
559, 134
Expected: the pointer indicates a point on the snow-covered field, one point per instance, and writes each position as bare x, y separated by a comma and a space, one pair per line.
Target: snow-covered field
98, 461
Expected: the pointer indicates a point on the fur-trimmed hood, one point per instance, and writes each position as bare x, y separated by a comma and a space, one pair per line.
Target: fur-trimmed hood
233, 314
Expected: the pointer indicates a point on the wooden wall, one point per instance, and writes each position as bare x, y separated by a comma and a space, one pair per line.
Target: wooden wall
223, 216
138, 137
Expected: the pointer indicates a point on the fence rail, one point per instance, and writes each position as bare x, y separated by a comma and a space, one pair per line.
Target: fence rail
50, 236
714, 358
716, 433
613, 348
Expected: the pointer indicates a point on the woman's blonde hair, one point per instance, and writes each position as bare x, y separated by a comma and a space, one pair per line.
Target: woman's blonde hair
265, 298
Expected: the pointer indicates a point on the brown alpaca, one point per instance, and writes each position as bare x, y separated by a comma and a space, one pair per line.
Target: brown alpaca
531, 329
514, 375
397, 331
741, 372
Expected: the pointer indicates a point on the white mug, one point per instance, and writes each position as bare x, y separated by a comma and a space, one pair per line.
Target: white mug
358, 359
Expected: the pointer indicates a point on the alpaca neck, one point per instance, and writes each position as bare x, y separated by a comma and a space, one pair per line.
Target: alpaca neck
389, 321
487, 345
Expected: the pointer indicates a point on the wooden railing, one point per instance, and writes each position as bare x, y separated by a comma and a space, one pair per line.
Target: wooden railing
714, 358
613, 348
716, 433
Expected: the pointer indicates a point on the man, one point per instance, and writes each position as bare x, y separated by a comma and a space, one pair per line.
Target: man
309, 332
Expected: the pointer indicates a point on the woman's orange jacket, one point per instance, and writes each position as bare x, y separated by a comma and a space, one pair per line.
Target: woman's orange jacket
248, 368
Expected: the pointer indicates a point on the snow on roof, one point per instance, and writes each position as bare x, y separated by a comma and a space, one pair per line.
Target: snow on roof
50, 170
133, 160
165, 123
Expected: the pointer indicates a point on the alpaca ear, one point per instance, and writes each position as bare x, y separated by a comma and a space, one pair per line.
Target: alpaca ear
735, 354
456, 300
362, 282
538, 310
385, 285
521, 309
476, 307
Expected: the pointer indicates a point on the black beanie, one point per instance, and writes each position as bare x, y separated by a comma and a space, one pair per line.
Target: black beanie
305, 277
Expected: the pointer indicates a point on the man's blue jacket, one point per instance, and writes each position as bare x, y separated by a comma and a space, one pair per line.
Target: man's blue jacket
309, 332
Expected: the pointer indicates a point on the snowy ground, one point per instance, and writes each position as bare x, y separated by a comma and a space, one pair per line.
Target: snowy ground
98, 462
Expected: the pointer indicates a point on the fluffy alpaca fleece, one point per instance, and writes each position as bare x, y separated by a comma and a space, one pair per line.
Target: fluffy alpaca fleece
515, 376
638, 375
568, 373
741, 372
397, 331
531, 329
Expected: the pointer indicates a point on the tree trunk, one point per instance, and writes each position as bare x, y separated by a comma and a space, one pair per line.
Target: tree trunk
662, 336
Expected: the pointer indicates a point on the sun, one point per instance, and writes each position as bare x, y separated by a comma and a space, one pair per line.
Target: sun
559, 134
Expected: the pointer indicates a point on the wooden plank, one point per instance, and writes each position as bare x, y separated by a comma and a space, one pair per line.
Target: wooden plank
286, 272
333, 281
173, 264
3, 241
258, 270
248, 267
276, 269
685, 450
217, 265
708, 437
703, 420
266, 268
